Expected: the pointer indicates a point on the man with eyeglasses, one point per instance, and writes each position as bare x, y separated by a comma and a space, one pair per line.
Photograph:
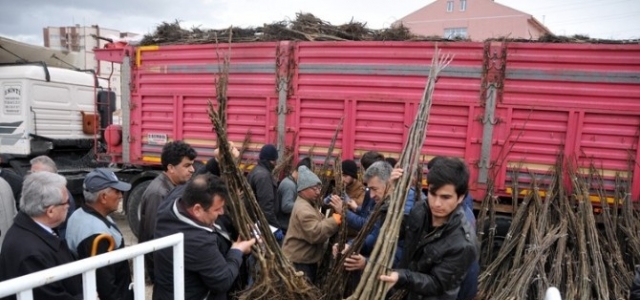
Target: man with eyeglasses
32, 243
44, 163
309, 230
102, 195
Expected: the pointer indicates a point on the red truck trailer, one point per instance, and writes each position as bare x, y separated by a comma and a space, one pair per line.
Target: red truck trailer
506, 108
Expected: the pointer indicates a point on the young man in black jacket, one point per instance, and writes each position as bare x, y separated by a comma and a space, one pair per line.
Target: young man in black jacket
210, 266
440, 245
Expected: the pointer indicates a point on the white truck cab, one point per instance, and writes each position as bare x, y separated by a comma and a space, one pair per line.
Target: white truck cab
42, 107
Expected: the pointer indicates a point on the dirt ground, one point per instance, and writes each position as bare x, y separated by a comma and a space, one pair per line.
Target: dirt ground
129, 237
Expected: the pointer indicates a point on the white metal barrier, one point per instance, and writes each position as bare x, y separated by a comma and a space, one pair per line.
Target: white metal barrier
552, 294
23, 286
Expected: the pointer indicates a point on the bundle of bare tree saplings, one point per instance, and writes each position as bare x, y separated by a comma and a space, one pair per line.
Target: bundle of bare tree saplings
305, 27
556, 239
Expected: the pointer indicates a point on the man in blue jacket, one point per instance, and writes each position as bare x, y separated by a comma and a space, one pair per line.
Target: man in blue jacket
102, 194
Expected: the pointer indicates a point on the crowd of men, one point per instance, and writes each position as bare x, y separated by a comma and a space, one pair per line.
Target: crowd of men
436, 257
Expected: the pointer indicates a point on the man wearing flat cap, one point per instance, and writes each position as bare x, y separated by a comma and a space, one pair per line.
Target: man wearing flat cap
102, 194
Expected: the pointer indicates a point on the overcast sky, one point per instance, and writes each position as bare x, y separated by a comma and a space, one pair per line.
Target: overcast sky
24, 19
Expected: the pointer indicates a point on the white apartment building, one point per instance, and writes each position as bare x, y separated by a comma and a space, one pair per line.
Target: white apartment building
83, 40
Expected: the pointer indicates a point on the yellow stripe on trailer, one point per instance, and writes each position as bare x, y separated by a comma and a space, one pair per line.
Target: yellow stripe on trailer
543, 193
155, 159
151, 159
144, 48
246, 167
201, 142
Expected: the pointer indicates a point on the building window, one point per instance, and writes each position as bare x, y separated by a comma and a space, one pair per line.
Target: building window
449, 6
451, 33
463, 5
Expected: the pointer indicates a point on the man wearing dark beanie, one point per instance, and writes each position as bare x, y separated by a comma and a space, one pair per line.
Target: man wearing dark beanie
269, 153
356, 192
265, 187
353, 187
358, 213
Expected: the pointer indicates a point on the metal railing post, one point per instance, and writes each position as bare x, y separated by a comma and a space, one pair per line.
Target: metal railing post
26, 295
89, 288
138, 277
178, 271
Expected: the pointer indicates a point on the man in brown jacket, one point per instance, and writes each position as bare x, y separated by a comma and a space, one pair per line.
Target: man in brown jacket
355, 198
308, 231
353, 187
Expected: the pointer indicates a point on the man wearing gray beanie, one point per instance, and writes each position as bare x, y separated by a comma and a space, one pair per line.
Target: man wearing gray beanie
308, 229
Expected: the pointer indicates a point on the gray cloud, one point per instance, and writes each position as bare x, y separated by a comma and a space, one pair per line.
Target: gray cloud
25, 20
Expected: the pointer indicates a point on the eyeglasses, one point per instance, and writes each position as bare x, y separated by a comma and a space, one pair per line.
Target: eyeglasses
62, 204
317, 188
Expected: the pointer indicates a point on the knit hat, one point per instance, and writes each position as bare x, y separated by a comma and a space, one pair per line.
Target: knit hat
268, 152
213, 167
307, 179
350, 168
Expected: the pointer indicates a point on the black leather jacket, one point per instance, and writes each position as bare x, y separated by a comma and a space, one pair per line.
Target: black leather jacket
436, 260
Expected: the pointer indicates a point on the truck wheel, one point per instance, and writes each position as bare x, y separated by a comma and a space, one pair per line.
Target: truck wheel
503, 223
133, 205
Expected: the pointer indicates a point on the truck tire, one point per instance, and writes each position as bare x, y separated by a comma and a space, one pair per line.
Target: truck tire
503, 223
133, 205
